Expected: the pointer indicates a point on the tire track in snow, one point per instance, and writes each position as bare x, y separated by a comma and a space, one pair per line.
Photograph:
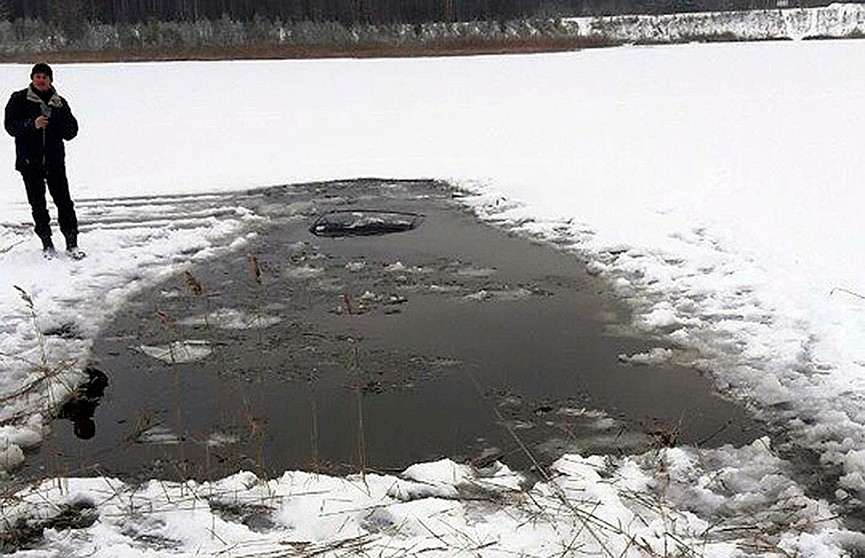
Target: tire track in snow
48, 325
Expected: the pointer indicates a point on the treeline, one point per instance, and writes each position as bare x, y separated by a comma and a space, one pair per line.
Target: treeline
24, 36
33, 38
357, 11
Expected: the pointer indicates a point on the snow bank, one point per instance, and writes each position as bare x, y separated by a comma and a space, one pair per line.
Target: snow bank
725, 502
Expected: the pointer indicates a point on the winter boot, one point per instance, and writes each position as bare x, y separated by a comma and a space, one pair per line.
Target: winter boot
48, 251
72, 249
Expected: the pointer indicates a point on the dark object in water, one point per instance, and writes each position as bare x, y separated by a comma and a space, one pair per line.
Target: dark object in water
81, 407
364, 222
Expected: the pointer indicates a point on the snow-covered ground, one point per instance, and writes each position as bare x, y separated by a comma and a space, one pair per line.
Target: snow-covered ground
717, 187
835, 20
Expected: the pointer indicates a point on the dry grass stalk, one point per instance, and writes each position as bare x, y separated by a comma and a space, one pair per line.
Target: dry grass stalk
847, 291
192, 284
255, 269
40, 337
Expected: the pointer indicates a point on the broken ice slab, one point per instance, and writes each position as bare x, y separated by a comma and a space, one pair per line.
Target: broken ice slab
364, 222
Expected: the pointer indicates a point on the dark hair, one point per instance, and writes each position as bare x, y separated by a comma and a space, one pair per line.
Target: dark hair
42, 68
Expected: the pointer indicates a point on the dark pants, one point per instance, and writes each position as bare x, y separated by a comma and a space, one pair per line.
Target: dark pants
35, 180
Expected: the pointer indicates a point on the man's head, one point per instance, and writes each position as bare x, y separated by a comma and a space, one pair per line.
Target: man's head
41, 76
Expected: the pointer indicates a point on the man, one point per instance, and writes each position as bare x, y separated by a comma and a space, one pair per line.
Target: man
40, 120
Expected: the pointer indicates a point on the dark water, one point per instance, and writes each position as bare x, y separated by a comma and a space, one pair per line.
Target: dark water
453, 339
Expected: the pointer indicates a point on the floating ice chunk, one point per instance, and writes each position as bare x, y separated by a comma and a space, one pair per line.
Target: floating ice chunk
231, 318
593, 418
399, 267
296, 247
444, 288
248, 321
178, 352
476, 271
158, 435
364, 222
604, 423
355, 266
658, 355
517, 424
581, 412
303, 272
505, 294
219, 439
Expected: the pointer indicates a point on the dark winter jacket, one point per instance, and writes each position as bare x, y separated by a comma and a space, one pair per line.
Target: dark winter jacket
35, 148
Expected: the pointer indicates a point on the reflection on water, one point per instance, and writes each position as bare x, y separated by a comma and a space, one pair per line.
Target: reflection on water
81, 407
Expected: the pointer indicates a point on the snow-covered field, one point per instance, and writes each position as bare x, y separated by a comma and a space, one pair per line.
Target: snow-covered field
717, 187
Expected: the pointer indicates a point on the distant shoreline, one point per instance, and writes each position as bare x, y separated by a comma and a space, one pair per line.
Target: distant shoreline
225, 39
288, 52
473, 47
